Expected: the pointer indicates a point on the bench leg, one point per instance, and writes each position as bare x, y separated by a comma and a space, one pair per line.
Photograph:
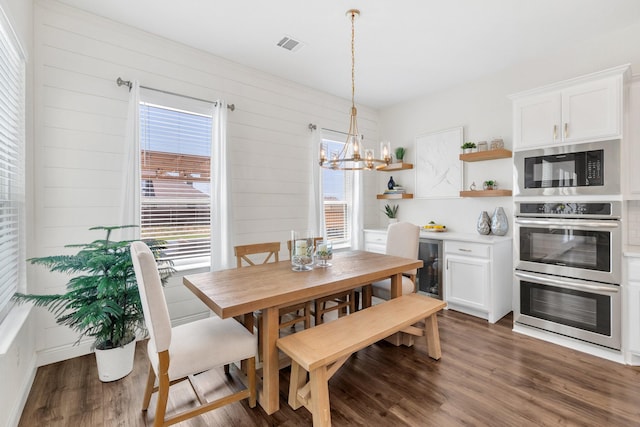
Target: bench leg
321, 410
433, 336
297, 380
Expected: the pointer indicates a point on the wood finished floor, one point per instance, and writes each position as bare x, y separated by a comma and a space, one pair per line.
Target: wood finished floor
488, 376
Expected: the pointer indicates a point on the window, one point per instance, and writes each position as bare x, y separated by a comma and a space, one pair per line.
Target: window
12, 144
337, 190
175, 190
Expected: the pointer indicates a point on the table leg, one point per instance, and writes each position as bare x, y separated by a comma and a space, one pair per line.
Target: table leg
270, 363
396, 285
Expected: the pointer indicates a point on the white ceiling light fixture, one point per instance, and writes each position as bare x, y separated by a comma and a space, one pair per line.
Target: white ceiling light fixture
350, 157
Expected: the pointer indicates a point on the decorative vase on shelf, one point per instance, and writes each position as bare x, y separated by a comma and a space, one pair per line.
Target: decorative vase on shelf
484, 223
499, 223
391, 183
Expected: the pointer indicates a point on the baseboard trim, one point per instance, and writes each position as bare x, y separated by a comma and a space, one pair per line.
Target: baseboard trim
64, 352
25, 389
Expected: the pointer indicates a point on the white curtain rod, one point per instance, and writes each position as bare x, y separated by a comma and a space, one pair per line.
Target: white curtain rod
128, 84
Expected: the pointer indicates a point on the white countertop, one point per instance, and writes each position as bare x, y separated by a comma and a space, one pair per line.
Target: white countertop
455, 236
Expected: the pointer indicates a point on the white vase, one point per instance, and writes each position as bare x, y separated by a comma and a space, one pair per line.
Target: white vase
393, 220
115, 363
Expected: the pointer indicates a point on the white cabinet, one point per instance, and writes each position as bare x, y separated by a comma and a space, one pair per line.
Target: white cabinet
587, 108
633, 293
467, 281
375, 241
633, 306
535, 120
477, 278
632, 141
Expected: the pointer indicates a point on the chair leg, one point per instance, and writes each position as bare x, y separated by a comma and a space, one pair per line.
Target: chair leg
151, 381
367, 294
352, 302
163, 388
307, 315
251, 376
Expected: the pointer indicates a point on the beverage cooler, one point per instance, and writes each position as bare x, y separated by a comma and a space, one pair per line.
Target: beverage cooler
430, 275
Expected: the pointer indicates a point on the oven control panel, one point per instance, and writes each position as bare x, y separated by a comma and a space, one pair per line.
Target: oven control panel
610, 210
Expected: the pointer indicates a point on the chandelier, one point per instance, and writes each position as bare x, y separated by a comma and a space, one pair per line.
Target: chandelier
353, 155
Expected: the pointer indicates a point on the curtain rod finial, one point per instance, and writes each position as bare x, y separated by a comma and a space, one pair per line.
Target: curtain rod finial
312, 127
126, 83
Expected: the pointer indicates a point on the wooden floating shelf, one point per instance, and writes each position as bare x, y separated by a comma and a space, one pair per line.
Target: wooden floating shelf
395, 196
479, 156
486, 193
395, 167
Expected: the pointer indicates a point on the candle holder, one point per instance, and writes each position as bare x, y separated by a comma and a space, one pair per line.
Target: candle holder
324, 253
301, 250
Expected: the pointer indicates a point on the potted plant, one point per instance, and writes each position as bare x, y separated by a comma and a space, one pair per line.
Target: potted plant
103, 301
490, 185
391, 212
400, 154
468, 147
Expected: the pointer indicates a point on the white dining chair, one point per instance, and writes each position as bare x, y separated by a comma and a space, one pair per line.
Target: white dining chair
179, 353
402, 241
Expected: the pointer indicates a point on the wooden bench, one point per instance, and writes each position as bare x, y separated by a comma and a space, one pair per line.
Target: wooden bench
322, 350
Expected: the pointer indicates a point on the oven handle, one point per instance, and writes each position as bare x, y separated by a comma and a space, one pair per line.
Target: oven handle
566, 284
564, 222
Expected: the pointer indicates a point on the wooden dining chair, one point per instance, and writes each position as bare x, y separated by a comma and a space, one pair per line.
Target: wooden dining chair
402, 241
182, 352
342, 302
263, 253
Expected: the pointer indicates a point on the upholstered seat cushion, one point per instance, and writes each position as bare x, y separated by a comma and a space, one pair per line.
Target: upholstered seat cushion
205, 344
382, 289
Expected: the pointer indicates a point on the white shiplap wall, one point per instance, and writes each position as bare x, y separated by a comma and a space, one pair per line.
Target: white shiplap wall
80, 117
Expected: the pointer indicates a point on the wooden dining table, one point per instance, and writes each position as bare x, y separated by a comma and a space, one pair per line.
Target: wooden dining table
267, 287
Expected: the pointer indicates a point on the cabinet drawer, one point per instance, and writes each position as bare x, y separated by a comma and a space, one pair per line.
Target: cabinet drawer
468, 249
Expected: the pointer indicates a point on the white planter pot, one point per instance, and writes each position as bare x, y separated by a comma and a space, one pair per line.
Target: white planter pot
115, 363
392, 220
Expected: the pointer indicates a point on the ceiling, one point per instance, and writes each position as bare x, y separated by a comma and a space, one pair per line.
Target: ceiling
404, 48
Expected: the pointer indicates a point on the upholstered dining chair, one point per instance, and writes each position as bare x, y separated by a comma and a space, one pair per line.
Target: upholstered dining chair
402, 241
180, 353
269, 252
340, 302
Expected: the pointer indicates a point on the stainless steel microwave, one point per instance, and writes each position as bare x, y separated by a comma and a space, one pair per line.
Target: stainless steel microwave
568, 170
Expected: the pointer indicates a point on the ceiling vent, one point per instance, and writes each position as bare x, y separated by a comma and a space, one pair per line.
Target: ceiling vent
289, 44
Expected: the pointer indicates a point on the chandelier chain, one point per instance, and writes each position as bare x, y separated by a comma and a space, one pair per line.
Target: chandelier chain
353, 60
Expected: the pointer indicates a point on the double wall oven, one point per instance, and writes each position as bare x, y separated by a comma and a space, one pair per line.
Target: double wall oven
568, 250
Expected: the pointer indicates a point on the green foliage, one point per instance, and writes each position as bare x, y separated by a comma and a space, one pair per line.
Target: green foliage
468, 145
103, 302
400, 153
391, 211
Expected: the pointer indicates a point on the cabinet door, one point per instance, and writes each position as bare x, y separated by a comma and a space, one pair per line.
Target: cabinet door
632, 140
467, 281
536, 120
592, 110
633, 308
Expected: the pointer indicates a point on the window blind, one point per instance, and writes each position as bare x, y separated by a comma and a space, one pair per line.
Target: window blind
12, 143
175, 198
